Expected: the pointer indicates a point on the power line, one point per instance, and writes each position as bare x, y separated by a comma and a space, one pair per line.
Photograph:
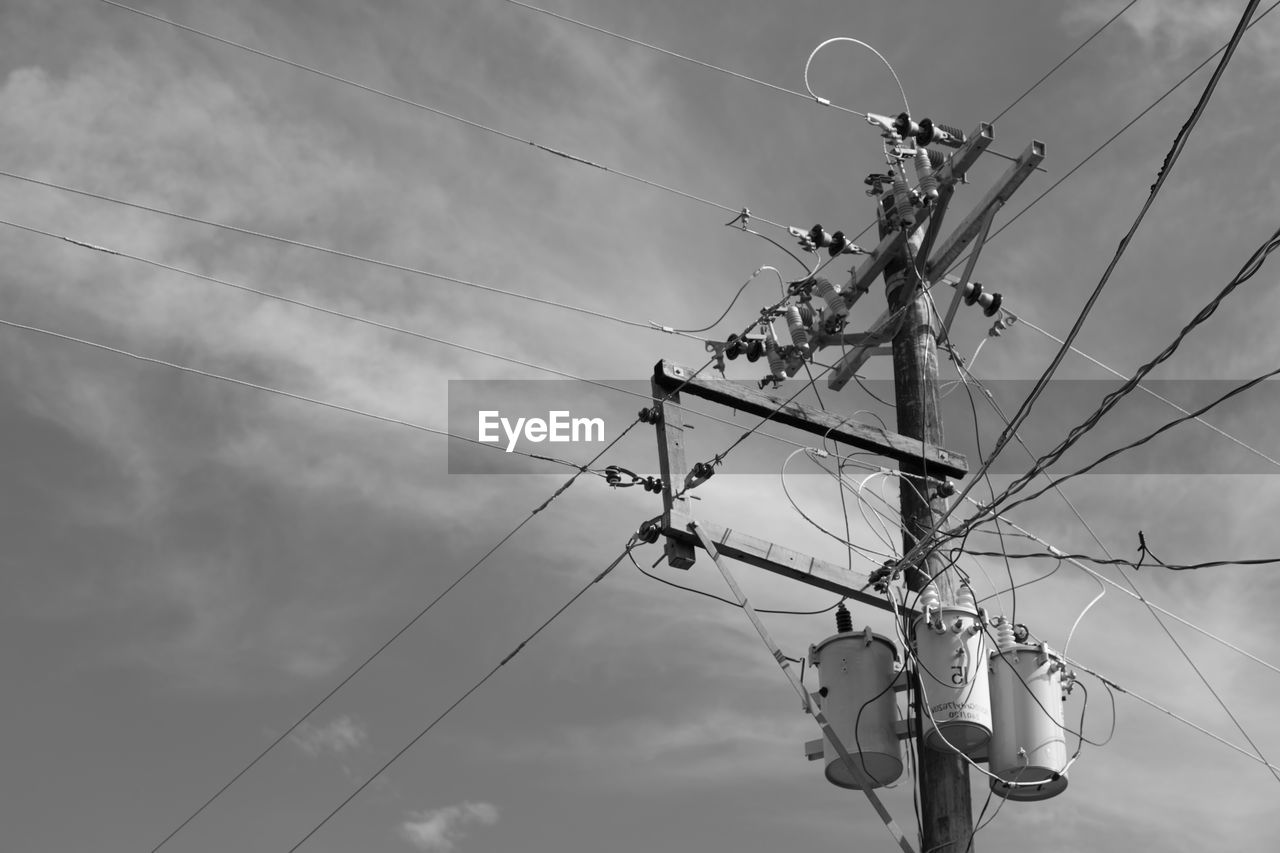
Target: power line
1055, 484
1250, 269
1238, 389
1105, 144
360, 668
563, 488
1171, 158
1022, 319
573, 158
1056, 552
1064, 61
376, 324
1175, 716
926, 542
289, 394
1118, 133
392, 760
823, 101
330, 251
580, 470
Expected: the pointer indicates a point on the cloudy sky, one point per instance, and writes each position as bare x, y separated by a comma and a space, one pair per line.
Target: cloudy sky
190, 564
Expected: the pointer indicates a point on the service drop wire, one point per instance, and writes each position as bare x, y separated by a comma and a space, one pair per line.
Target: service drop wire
867, 553
1248, 271
581, 592
413, 621
927, 542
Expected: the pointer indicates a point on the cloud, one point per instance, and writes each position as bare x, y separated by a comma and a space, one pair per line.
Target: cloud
439, 830
338, 736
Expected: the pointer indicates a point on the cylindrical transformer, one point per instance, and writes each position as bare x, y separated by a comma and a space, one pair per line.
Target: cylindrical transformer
1029, 744
856, 673
955, 698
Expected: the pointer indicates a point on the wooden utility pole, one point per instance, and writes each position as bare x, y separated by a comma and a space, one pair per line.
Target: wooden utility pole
908, 252
945, 801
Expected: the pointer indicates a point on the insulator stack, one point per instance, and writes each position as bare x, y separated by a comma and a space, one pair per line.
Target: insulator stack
1004, 635
824, 288
777, 364
799, 335
943, 134
975, 295
844, 619
936, 158
929, 600
965, 599
924, 173
807, 314
902, 200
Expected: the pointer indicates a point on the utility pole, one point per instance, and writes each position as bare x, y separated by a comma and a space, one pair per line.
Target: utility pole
915, 261
945, 800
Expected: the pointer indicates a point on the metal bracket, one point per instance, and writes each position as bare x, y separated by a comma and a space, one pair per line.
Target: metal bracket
744, 398
950, 249
968, 269
881, 332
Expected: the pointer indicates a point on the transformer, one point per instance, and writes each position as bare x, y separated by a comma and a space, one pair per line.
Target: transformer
856, 674
1029, 745
951, 656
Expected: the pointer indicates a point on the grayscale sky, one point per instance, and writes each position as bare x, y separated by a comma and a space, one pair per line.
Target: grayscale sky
190, 564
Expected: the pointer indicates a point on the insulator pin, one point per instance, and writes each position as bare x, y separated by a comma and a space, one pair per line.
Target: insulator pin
824, 288
924, 173
1004, 635
943, 134
844, 619
799, 334
777, 364
975, 295
902, 201
929, 599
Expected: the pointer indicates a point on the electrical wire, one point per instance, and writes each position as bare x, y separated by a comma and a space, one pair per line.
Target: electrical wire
825, 101
732, 302
1250, 268
1134, 564
925, 543
377, 324
1106, 143
1239, 389
1126, 691
318, 248
1166, 169
1022, 320
1061, 63
1193, 626
573, 158
872, 556
427, 729
722, 600
581, 469
290, 395
1102, 590
681, 57
1222, 703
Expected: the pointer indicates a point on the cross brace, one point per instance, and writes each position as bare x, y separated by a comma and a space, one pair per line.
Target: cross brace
746, 398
